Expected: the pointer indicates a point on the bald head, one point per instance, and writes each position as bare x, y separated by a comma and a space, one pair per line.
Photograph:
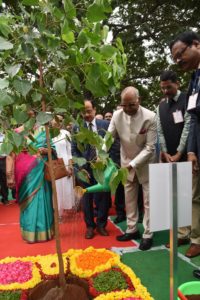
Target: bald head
130, 100
130, 91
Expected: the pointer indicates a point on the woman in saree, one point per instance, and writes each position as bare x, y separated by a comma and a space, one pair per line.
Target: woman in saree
33, 192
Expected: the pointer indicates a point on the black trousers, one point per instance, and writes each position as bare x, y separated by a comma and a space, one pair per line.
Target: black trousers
120, 201
140, 204
100, 199
3, 183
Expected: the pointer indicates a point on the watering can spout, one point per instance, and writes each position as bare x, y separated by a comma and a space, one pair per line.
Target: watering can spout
97, 188
105, 187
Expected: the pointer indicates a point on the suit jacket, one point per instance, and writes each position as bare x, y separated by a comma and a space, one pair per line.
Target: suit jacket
102, 126
194, 136
138, 138
194, 132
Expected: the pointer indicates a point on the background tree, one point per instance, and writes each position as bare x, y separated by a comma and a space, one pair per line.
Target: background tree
146, 28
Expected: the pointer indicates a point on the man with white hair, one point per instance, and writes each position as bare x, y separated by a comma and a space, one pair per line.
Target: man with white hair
136, 128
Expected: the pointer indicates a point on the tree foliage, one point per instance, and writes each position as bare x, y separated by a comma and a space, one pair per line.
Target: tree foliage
54, 52
67, 41
146, 28
68, 44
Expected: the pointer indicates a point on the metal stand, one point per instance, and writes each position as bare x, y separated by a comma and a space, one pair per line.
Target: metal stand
173, 235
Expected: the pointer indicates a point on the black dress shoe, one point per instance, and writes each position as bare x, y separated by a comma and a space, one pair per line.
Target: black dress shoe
119, 220
145, 244
5, 202
89, 233
128, 236
102, 231
196, 273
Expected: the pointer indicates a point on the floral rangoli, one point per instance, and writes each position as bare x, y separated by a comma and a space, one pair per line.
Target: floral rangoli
107, 277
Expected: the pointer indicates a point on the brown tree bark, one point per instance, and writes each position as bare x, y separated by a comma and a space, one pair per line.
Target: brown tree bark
62, 281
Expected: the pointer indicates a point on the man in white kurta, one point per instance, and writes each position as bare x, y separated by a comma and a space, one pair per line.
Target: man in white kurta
136, 128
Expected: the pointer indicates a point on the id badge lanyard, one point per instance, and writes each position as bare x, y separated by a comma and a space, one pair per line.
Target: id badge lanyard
192, 102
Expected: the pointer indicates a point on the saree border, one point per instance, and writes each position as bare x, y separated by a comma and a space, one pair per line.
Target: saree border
24, 204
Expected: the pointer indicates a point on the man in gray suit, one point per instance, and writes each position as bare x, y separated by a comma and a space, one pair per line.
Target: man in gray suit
136, 128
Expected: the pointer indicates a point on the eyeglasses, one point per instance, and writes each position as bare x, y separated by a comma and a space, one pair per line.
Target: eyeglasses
179, 55
89, 111
130, 105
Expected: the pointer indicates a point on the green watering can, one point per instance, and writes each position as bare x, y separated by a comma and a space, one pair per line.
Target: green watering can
110, 169
105, 187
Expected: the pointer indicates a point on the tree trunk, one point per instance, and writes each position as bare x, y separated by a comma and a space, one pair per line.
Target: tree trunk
62, 281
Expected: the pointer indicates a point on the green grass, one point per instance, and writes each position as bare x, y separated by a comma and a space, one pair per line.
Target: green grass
152, 267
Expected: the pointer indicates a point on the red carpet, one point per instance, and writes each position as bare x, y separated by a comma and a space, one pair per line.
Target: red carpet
72, 236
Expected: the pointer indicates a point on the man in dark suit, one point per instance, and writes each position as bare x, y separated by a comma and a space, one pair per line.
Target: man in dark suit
172, 119
173, 122
185, 50
90, 154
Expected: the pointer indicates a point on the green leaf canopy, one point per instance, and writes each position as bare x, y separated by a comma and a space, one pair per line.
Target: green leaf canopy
22, 86
5, 45
43, 118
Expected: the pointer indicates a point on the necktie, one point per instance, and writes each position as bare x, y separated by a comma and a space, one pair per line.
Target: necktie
91, 149
171, 101
90, 126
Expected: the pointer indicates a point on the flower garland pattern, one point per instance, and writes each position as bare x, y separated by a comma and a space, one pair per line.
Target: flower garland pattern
18, 273
49, 266
25, 273
110, 280
87, 262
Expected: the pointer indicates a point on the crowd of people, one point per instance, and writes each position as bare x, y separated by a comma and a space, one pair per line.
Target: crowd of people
141, 137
